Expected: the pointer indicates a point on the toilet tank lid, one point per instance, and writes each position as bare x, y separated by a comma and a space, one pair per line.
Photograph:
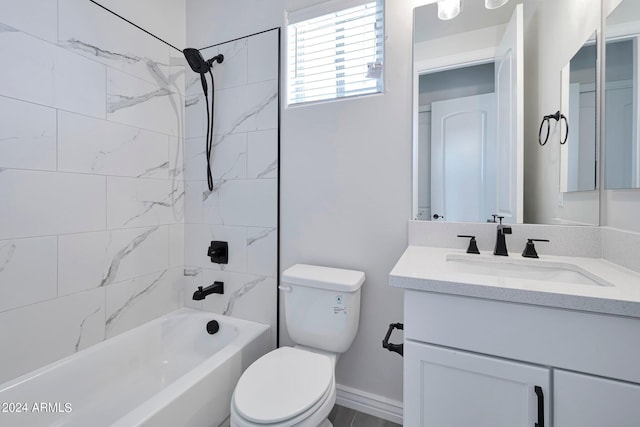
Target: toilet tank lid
315, 276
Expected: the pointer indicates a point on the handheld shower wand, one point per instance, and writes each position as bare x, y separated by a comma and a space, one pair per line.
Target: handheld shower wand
201, 66
198, 63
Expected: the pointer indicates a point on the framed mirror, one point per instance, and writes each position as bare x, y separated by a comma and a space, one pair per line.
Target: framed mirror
622, 140
469, 102
478, 103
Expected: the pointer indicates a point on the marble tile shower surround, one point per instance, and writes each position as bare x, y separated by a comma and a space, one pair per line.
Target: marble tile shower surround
618, 246
242, 208
91, 180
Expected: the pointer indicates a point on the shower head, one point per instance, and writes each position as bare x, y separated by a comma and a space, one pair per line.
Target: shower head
198, 63
195, 60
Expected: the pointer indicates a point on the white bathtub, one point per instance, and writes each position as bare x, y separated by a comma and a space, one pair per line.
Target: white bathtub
168, 372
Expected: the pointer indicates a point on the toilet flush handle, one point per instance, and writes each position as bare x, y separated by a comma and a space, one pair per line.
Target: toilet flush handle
285, 288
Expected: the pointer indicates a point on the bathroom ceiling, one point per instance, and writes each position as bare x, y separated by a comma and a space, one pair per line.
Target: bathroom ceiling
473, 16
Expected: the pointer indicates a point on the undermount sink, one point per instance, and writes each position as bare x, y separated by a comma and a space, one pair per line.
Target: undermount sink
530, 269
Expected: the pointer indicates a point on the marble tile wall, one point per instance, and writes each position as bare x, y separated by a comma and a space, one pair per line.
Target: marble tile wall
243, 206
92, 194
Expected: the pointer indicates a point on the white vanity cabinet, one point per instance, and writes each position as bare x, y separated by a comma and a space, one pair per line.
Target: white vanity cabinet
583, 400
452, 388
476, 362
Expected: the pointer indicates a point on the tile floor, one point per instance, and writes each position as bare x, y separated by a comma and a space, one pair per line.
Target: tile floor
345, 417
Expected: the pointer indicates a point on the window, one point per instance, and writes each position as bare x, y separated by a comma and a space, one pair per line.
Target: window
336, 55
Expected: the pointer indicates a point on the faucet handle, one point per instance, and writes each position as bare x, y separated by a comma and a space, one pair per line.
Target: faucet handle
473, 246
530, 248
218, 252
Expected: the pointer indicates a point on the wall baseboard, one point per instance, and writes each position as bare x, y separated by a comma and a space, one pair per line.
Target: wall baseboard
369, 403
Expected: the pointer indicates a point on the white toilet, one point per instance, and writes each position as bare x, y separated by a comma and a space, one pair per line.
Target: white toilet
295, 386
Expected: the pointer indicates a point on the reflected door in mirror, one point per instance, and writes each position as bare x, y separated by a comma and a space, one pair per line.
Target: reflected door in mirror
463, 158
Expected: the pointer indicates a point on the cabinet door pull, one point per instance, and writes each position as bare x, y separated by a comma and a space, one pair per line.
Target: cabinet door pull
540, 395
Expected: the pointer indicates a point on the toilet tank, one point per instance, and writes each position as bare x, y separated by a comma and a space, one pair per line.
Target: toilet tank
322, 306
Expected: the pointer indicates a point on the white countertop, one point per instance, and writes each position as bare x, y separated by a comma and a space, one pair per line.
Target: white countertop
427, 269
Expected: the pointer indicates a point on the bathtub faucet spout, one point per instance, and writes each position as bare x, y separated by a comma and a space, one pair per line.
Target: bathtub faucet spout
216, 288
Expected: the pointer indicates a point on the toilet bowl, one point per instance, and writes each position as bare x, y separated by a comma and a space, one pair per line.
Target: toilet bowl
295, 386
287, 387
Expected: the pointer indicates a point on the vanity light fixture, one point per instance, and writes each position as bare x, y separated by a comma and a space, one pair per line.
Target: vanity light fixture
448, 9
494, 4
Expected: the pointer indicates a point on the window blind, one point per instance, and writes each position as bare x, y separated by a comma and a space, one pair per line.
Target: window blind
336, 55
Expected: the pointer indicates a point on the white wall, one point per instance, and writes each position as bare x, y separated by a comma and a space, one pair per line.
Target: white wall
455, 49
456, 83
90, 179
554, 32
345, 191
621, 209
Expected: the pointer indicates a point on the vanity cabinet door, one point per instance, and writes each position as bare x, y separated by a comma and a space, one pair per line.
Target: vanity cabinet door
451, 388
585, 401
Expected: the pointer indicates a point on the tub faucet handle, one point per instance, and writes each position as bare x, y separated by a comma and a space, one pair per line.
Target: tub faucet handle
218, 252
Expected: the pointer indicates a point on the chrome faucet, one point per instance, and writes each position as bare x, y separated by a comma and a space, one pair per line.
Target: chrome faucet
501, 243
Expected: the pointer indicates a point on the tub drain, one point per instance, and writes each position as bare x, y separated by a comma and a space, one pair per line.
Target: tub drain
212, 327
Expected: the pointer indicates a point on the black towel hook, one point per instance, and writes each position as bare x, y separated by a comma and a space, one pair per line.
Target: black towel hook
557, 116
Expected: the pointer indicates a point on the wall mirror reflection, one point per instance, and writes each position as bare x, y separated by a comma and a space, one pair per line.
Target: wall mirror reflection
622, 140
526, 44
579, 153
469, 106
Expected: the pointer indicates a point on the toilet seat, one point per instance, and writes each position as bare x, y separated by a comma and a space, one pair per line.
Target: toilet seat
311, 418
283, 388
